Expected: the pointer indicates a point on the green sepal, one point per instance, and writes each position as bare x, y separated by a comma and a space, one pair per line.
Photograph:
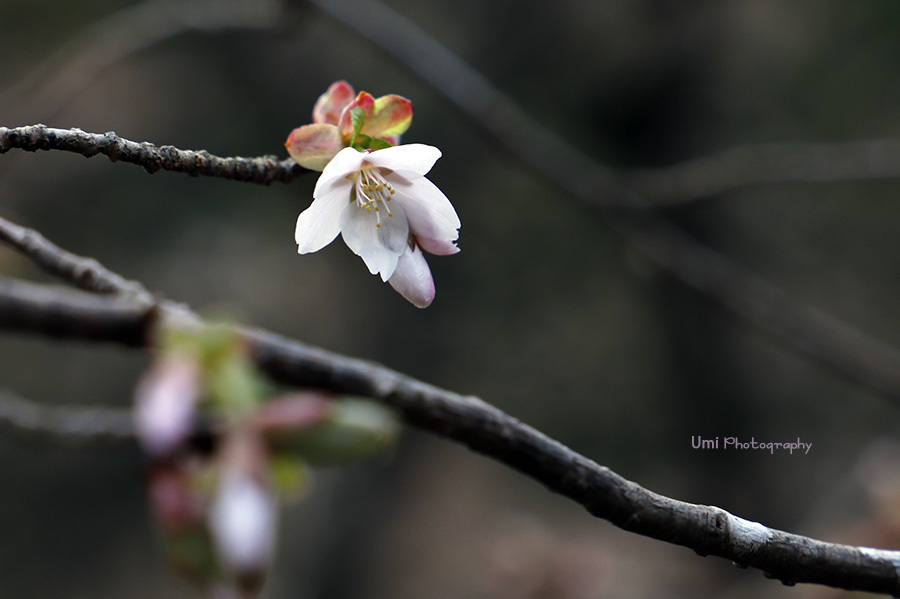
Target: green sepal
358, 118
376, 143
291, 476
367, 142
354, 429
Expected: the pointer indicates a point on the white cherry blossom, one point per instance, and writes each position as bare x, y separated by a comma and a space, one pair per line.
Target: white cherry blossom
387, 212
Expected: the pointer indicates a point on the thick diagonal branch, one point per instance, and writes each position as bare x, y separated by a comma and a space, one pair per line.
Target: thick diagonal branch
263, 169
705, 529
64, 312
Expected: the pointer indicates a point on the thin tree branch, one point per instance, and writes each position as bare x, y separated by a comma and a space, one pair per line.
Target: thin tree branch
263, 169
77, 63
767, 164
69, 423
85, 273
819, 335
610, 196
705, 529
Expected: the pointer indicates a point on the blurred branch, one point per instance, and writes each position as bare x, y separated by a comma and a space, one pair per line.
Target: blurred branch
767, 164
705, 529
612, 197
85, 273
63, 312
70, 423
808, 329
76, 64
263, 169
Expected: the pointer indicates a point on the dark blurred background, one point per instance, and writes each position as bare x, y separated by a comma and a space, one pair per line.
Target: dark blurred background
545, 313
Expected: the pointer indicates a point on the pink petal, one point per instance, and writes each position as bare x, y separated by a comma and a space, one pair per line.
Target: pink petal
438, 247
331, 104
412, 278
432, 217
165, 403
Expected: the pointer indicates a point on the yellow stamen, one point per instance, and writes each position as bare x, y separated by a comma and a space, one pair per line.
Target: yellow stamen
373, 189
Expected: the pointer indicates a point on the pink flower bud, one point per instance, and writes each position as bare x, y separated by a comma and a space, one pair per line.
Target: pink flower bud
165, 403
244, 512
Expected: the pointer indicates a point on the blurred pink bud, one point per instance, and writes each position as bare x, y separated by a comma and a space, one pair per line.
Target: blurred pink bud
242, 521
165, 402
297, 411
327, 431
175, 504
244, 512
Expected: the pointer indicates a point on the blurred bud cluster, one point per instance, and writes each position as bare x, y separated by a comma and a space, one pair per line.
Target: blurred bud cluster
224, 450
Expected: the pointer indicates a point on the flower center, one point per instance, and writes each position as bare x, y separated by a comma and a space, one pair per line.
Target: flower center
373, 192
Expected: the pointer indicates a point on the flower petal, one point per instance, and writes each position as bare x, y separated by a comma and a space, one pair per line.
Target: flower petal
412, 278
432, 217
379, 247
418, 158
345, 162
438, 247
391, 116
318, 225
313, 146
331, 104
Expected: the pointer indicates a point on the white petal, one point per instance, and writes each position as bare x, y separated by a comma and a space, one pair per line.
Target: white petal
412, 278
318, 225
345, 162
417, 158
430, 213
379, 247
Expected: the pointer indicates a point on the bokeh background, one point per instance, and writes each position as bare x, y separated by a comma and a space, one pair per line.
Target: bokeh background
545, 313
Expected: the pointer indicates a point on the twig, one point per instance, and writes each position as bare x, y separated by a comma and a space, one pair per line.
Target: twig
468, 420
809, 330
70, 423
77, 63
767, 164
263, 169
610, 196
85, 273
